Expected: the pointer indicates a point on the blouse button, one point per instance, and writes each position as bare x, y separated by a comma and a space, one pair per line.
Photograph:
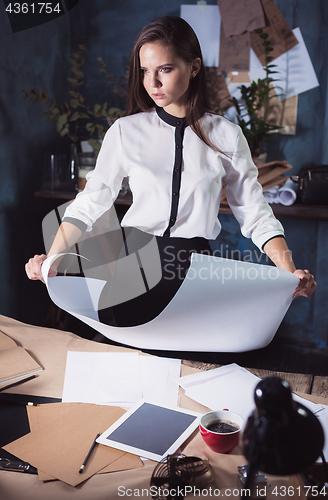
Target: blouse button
172, 220
178, 123
175, 194
178, 145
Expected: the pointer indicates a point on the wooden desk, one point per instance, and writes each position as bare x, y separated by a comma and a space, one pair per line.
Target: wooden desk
49, 347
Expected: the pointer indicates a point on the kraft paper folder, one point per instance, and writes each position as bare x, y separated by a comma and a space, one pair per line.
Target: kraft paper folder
15, 362
60, 438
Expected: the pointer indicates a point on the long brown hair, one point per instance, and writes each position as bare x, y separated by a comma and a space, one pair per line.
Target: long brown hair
176, 33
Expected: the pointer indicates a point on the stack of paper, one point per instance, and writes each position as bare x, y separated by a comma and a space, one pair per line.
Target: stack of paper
229, 387
120, 378
15, 362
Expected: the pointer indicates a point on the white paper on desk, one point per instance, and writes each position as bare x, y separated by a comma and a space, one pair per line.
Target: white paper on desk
222, 306
231, 387
233, 391
159, 380
206, 23
102, 377
117, 378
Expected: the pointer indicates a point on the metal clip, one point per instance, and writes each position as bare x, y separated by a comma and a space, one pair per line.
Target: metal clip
6, 464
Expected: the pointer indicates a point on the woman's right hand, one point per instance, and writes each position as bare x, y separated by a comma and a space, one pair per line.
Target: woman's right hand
33, 268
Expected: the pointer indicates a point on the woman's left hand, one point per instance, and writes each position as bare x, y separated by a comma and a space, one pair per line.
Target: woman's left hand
307, 284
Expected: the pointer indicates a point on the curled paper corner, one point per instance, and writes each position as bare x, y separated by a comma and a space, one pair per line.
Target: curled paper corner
223, 305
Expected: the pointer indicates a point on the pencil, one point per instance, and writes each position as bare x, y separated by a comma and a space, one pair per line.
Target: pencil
17, 383
88, 455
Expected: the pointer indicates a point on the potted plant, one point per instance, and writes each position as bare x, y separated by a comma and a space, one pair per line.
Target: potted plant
252, 109
74, 117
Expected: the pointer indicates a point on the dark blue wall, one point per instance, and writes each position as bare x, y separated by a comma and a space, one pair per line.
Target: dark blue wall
40, 57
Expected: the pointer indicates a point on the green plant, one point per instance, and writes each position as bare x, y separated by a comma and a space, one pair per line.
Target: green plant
252, 111
74, 117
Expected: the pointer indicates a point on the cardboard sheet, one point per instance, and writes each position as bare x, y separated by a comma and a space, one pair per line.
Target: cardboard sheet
280, 34
61, 436
234, 52
239, 16
223, 305
15, 362
284, 114
218, 93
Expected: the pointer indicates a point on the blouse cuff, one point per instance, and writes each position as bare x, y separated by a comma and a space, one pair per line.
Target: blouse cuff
76, 222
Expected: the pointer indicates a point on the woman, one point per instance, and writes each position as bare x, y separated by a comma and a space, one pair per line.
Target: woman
176, 155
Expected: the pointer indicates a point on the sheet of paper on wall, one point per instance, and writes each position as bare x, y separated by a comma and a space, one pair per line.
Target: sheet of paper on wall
239, 16
296, 72
206, 22
234, 52
222, 305
280, 34
120, 378
230, 386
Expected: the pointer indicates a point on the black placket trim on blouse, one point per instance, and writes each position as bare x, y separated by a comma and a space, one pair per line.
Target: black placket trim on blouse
180, 125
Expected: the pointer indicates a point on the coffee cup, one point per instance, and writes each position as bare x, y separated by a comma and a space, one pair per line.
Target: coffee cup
221, 430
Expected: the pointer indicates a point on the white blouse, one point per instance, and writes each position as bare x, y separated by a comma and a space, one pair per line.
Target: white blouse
175, 179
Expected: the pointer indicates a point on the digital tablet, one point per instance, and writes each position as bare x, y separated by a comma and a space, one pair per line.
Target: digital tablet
151, 431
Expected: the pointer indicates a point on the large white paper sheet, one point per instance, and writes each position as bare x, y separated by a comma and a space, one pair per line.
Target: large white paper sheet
222, 306
323, 419
120, 378
231, 387
206, 23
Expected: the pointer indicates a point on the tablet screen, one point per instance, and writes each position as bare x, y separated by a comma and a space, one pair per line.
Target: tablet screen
150, 430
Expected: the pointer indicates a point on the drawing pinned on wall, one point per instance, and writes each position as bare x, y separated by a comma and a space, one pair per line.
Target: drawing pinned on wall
206, 22
239, 16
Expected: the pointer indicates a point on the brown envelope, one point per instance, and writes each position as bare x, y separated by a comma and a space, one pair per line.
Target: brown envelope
61, 436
